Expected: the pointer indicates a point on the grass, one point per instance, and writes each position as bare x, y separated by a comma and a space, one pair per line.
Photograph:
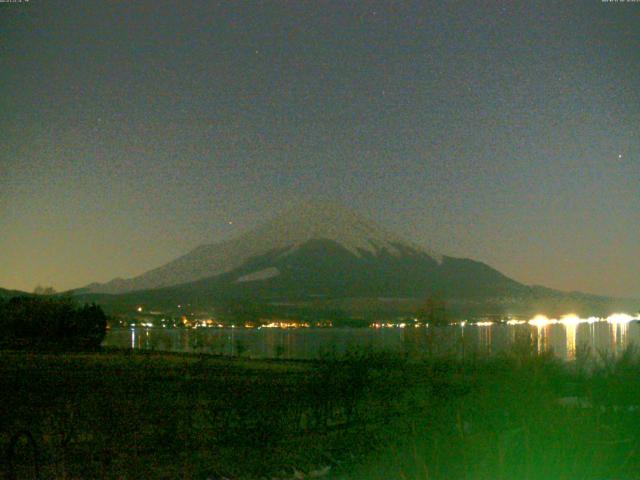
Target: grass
116, 414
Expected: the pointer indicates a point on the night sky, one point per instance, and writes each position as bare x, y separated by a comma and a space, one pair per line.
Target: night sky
133, 131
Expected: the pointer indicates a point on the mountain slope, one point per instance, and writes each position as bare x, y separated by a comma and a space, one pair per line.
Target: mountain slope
323, 256
325, 268
322, 275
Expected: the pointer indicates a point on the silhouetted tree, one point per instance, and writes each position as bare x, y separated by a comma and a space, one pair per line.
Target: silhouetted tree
433, 312
51, 322
40, 290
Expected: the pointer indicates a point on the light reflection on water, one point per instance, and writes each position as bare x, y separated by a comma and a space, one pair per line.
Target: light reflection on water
619, 335
570, 330
542, 338
564, 339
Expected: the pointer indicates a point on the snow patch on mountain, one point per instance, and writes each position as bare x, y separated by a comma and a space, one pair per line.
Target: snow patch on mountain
259, 275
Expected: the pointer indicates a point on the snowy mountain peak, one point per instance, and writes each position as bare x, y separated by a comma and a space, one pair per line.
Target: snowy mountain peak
286, 232
328, 221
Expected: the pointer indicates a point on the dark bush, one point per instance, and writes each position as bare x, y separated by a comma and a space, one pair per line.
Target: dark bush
51, 322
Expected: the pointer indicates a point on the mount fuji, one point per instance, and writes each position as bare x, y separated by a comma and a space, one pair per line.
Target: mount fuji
323, 252
308, 243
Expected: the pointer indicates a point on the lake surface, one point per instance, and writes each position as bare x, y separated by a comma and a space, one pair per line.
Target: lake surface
564, 339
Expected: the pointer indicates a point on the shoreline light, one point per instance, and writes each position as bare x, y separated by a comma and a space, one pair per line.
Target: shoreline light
620, 318
571, 319
542, 321
516, 322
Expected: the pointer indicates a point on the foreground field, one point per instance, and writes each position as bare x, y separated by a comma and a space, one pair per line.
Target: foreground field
115, 414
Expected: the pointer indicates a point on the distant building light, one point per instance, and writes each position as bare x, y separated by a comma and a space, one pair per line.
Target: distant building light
620, 318
542, 321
